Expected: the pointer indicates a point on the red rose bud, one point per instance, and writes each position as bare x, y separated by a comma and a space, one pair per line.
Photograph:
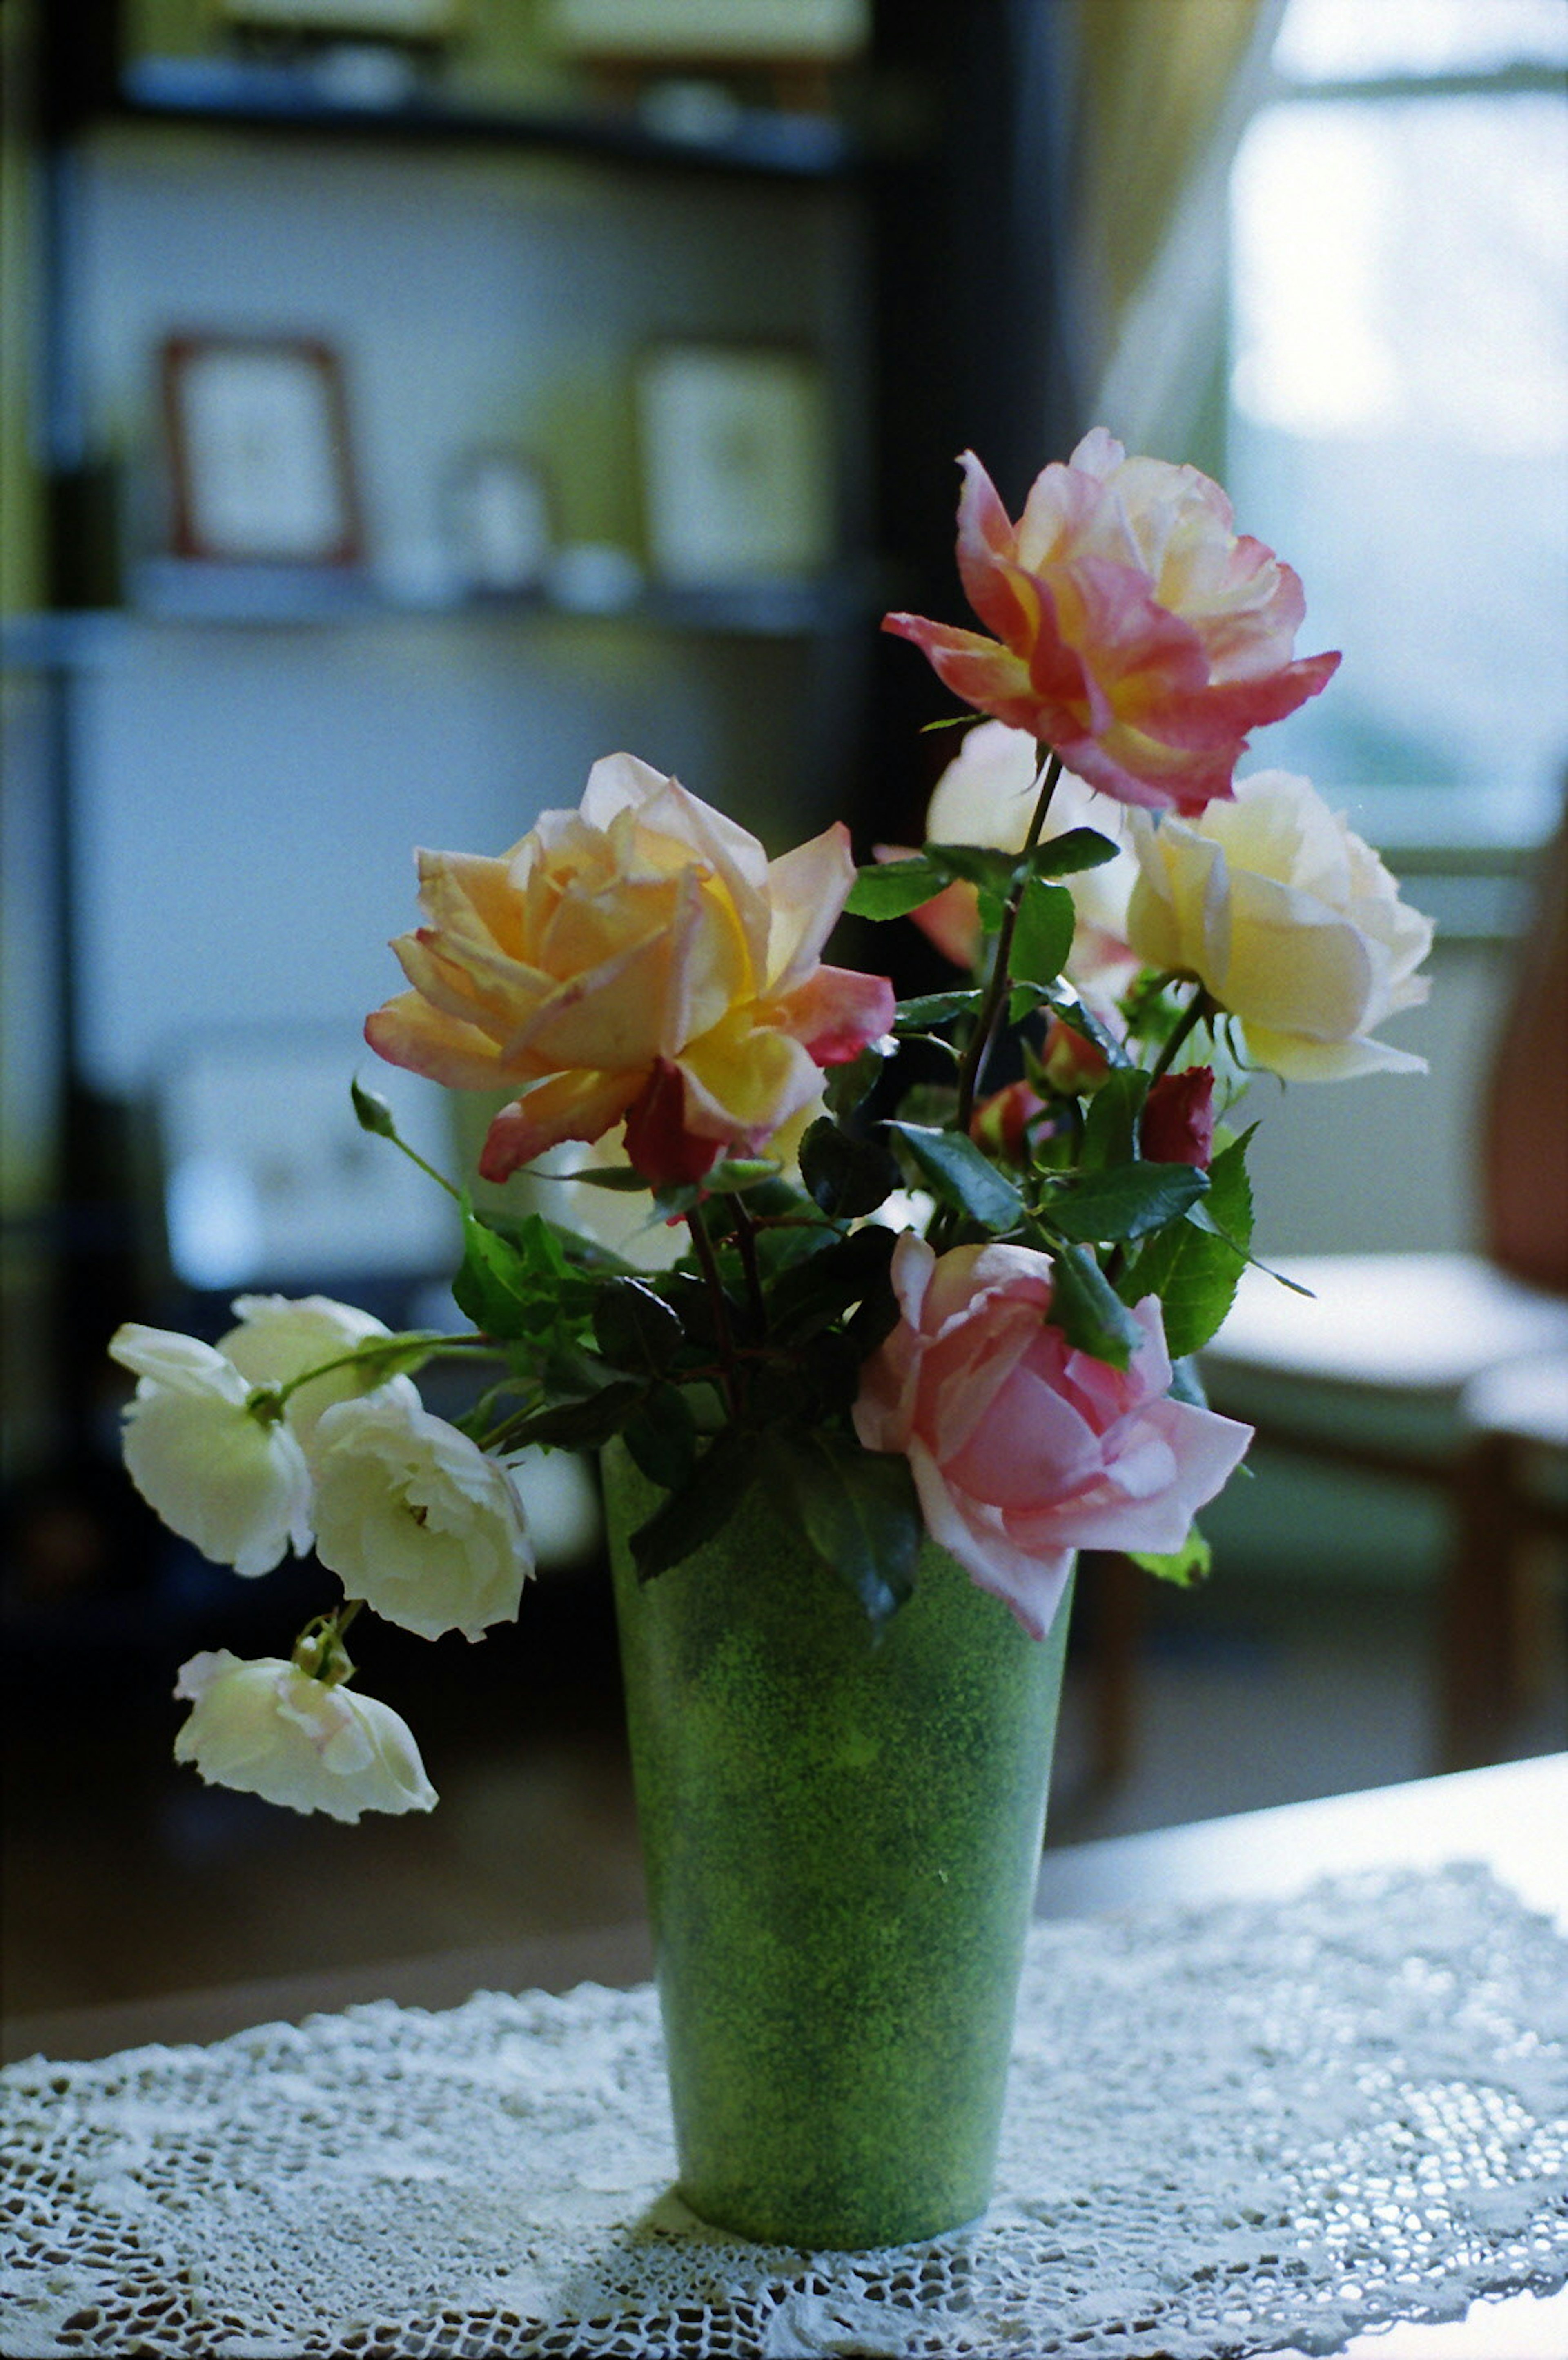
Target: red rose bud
1178, 1119
1073, 1065
1002, 1123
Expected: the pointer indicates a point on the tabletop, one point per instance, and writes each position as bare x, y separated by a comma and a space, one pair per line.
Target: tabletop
1170, 1915
1513, 1816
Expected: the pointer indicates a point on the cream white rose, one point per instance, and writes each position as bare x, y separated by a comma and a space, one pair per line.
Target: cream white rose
234, 1484
278, 1338
1288, 920
268, 1729
986, 796
416, 1520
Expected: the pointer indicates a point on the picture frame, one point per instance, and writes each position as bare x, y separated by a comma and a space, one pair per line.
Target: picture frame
712, 31
260, 461
737, 463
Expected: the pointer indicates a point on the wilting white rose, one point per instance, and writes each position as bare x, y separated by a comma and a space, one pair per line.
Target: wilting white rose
416, 1520
270, 1729
1292, 922
277, 1339
232, 1482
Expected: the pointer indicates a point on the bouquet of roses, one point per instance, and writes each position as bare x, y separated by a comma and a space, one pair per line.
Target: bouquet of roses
959, 1305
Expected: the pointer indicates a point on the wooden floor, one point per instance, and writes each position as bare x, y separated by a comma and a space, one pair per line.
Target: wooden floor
124, 1876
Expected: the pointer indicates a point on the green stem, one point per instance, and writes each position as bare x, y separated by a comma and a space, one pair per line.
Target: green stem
1199, 1010
709, 1261
988, 1022
322, 1641
432, 1343
746, 1238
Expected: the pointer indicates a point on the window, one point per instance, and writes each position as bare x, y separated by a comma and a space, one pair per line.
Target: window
1399, 398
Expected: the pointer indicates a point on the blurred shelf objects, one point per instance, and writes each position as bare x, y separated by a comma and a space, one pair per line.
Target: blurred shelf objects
409, 404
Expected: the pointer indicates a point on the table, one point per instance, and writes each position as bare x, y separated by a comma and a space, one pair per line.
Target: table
1231, 1879
1513, 1816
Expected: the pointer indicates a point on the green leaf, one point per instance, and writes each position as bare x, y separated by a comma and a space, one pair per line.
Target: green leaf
1075, 849
957, 1171
975, 863
618, 1176
688, 1296
891, 889
810, 1295
1187, 1565
634, 1328
493, 1285
1088, 1310
1126, 1202
1230, 1190
538, 1244
1043, 936
1110, 1125
847, 1177
858, 1510
662, 1438
848, 1086
585, 1424
1093, 1028
934, 1105
702, 1506
928, 1007
732, 1174
1193, 1271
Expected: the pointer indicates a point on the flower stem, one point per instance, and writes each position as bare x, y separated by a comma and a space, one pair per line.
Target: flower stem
702, 1243
431, 1344
989, 1021
319, 1649
1199, 1010
746, 1239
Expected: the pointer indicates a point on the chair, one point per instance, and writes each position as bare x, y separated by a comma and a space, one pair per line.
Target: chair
1399, 1363
1513, 1499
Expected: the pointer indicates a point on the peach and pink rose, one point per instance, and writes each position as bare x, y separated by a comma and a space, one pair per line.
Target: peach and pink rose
1137, 632
1024, 1448
637, 961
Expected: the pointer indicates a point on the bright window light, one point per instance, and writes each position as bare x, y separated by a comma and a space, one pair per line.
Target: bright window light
1398, 397
1327, 40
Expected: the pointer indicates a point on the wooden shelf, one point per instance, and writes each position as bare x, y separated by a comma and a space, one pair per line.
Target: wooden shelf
235, 92
172, 594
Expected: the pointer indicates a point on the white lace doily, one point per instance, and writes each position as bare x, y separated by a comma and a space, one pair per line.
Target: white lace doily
1229, 2129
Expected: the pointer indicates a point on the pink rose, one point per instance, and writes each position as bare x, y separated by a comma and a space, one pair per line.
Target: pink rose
637, 961
1022, 1449
1136, 633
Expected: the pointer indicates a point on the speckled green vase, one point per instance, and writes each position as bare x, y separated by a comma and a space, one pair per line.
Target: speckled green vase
841, 1838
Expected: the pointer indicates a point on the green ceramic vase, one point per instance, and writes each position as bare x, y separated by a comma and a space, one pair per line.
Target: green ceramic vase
841, 1836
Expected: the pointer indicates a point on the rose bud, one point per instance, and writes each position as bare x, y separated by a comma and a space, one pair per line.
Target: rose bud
1005, 1123
1073, 1065
1178, 1124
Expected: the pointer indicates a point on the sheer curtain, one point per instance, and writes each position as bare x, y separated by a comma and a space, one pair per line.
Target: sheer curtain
1162, 93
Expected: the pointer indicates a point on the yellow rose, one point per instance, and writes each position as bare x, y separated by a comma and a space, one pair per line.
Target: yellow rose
1288, 921
636, 960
